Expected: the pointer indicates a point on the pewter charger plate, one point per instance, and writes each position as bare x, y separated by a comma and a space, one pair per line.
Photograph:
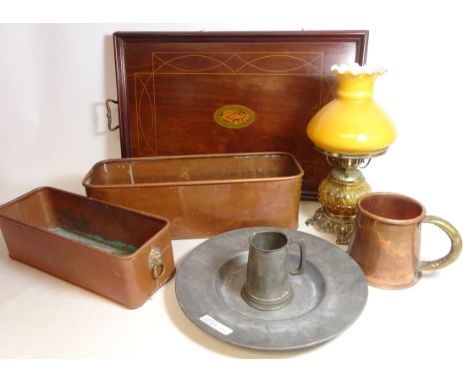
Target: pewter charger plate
328, 297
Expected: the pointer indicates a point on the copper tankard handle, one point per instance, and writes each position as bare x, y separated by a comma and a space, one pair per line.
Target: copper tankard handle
455, 249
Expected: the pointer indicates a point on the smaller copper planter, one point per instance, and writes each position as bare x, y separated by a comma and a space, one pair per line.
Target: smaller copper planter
121, 254
387, 236
204, 195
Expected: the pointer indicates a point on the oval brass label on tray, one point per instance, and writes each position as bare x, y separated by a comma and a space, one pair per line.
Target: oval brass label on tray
234, 116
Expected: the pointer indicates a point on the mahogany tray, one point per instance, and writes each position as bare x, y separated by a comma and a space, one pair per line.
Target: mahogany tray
185, 93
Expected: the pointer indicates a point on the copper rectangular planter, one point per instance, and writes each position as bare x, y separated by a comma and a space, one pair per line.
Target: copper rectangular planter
203, 195
90, 243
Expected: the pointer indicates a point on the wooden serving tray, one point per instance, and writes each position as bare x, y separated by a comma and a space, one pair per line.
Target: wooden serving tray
226, 92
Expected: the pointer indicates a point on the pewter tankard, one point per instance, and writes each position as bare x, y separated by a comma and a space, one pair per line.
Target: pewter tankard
267, 286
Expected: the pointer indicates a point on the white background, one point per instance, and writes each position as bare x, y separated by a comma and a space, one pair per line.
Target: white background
53, 83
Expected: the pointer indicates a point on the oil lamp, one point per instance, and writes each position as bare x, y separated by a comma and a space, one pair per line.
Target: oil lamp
349, 131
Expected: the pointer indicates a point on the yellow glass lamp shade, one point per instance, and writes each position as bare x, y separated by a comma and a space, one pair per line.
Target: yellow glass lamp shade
352, 123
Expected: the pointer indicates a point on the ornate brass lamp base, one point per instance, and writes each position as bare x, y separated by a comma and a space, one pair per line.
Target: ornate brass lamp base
338, 194
340, 226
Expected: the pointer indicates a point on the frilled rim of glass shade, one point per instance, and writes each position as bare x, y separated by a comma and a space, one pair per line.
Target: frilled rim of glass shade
355, 69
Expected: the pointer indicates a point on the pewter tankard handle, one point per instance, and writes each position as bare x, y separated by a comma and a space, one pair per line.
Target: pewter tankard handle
302, 252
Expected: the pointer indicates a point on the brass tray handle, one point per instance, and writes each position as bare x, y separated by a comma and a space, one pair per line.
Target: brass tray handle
109, 114
455, 249
156, 263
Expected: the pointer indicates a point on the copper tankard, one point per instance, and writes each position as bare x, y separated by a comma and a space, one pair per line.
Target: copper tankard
387, 236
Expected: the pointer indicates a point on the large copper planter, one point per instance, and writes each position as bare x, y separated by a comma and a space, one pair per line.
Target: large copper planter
90, 243
204, 195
